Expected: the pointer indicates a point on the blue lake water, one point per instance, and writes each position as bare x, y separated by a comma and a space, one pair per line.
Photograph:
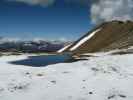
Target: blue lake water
38, 61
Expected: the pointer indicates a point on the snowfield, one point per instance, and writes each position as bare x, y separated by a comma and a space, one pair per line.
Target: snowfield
105, 77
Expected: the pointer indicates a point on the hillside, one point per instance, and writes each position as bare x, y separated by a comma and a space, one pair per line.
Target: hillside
105, 37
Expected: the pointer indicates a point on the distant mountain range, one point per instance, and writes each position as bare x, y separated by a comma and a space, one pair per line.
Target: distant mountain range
105, 37
30, 46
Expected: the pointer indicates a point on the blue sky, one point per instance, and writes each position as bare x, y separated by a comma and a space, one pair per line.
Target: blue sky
60, 20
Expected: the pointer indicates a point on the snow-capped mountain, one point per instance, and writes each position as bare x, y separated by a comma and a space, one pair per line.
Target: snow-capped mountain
30, 46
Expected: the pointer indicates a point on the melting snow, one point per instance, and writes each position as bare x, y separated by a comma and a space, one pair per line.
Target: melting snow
84, 40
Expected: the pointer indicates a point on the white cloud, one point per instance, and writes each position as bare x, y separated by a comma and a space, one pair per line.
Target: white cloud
63, 39
107, 10
38, 39
44, 3
10, 39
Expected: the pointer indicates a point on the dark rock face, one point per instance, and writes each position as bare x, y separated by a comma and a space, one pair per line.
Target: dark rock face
113, 35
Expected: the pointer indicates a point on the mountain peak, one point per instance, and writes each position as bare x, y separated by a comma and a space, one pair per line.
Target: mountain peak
107, 36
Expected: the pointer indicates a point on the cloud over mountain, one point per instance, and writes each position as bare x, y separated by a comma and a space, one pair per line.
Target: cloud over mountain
107, 10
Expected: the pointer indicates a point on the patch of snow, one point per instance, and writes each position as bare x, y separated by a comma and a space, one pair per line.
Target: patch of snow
64, 48
105, 77
84, 40
109, 52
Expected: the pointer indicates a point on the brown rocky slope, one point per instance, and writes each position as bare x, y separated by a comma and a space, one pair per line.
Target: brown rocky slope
112, 35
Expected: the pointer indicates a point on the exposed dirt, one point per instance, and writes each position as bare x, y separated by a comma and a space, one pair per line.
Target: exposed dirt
113, 35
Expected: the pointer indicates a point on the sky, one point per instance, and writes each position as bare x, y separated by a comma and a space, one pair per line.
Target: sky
58, 19
44, 19
108, 10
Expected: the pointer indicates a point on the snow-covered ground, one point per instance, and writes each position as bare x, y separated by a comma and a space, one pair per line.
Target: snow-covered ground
105, 77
